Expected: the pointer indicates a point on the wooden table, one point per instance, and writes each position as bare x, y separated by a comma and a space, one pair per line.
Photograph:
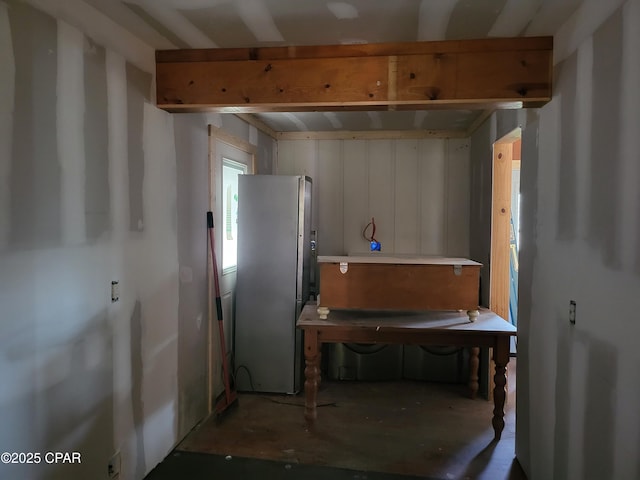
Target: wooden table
407, 328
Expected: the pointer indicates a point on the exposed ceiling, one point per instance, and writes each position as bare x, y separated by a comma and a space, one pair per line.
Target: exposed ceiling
168, 24
448, 120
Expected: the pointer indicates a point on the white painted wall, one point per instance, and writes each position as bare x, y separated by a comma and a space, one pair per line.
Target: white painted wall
578, 385
417, 191
81, 373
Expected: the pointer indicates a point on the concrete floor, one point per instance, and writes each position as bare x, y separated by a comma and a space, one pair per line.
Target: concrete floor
402, 427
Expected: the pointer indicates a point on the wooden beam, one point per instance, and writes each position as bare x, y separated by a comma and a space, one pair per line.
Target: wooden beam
487, 73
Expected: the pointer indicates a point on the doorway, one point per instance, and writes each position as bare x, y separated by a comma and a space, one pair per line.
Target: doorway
228, 157
505, 228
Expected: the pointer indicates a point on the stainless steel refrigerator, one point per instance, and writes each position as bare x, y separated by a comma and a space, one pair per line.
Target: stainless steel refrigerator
273, 278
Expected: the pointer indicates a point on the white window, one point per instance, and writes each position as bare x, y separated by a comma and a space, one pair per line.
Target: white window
230, 172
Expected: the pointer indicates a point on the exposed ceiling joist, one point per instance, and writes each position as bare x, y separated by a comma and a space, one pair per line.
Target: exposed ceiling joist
487, 73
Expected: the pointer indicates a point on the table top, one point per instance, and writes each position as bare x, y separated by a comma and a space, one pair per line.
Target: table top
433, 320
398, 259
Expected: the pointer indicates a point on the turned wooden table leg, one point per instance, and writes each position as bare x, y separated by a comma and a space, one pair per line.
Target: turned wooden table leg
474, 364
311, 374
501, 358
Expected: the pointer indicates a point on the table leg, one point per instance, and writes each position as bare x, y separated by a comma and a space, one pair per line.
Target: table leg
501, 358
311, 374
474, 364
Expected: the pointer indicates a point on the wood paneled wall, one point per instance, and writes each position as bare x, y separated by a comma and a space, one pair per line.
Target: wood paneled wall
417, 191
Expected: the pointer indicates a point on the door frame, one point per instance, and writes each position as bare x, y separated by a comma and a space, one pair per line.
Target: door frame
499, 273
499, 253
214, 363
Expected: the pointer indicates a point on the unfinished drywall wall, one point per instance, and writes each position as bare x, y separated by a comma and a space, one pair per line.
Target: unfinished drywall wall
529, 201
605, 142
191, 135
96, 141
417, 191
138, 92
97, 185
577, 384
35, 184
566, 77
60, 354
265, 154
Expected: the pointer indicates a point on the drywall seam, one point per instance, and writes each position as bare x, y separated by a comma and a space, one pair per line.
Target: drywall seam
7, 91
584, 94
333, 119
375, 120
101, 29
118, 152
177, 23
629, 139
433, 19
70, 132
514, 18
300, 125
258, 19
581, 25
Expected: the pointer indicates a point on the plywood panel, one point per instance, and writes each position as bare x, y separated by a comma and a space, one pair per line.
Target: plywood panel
407, 196
381, 185
432, 196
500, 221
402, 287
356, 202
329, 187
457, 195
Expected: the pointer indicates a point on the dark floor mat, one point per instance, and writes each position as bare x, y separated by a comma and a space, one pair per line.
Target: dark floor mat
202, 466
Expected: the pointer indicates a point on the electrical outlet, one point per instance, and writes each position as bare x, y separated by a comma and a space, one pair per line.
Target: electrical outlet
113, 467
572, 312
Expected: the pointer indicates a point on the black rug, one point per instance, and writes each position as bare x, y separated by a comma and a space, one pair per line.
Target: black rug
203, 466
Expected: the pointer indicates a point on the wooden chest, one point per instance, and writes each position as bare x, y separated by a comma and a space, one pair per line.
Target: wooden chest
378, 282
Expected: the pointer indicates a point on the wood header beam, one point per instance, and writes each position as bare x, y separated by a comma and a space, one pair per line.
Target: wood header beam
479, 74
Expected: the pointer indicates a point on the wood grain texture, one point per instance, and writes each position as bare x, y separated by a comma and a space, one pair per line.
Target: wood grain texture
402, 287
365, 77
408, 328
500, 229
